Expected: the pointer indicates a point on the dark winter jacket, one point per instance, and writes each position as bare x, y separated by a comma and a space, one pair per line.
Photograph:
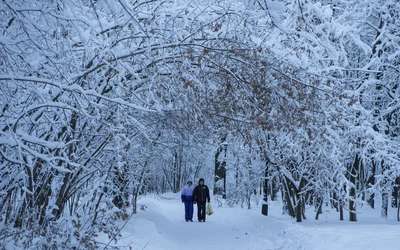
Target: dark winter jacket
201, 193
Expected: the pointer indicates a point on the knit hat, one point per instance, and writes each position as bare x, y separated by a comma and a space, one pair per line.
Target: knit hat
201, 179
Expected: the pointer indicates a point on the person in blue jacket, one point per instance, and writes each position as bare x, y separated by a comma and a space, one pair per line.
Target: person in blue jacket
187, 199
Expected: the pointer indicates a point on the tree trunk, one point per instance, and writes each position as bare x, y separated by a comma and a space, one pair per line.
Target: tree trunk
288, 196
398, 208
220, 170
217, 173
385, 204
264, 209
335, 201
371, 182
341, 215
299, 208
274, 189
319, 208
352, 207
352, 192
177, 172
395, 193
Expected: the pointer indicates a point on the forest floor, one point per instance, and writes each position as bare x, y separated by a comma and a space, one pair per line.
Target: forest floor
159, 224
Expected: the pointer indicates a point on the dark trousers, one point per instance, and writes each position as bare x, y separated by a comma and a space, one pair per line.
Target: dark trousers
188, 210
201, 210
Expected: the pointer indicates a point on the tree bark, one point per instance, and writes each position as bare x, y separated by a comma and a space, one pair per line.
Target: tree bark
354, 169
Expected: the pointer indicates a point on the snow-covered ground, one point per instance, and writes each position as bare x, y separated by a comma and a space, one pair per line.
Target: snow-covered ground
160, 224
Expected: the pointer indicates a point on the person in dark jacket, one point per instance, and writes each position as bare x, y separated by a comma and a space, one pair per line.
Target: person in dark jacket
201, 195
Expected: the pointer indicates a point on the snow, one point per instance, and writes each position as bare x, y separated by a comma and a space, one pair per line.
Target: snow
159, 224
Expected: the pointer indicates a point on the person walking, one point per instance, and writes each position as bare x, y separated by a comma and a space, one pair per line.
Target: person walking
201, 195
187, 199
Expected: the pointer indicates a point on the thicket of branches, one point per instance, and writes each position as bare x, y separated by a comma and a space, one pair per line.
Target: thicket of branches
103, 101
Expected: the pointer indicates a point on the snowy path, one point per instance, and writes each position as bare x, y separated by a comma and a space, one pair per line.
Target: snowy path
226, 229
161, 226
